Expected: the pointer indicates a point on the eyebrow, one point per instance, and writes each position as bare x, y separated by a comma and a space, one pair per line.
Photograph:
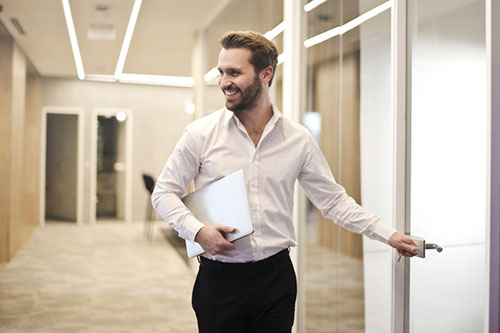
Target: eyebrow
230, 68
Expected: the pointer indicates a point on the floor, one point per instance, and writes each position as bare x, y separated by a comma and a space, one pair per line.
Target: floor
107, 278
334, 294
104, 278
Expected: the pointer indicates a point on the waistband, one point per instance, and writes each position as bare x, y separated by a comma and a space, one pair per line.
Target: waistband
270, 261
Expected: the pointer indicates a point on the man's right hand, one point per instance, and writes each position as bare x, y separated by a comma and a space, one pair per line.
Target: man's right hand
212, 240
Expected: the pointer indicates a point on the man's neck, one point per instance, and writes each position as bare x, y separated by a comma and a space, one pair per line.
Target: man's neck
255, 119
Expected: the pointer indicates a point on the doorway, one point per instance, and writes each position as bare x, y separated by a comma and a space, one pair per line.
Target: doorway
111, 186
61, 157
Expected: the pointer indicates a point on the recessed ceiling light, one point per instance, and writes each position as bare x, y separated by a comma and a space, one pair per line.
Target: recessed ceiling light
101, 32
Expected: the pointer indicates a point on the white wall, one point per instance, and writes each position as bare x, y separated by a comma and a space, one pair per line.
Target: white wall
159, 118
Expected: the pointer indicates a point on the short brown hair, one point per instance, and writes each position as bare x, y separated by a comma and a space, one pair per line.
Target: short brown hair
263, 51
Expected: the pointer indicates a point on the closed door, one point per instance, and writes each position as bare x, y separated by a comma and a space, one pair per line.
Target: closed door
448, 163
61, 167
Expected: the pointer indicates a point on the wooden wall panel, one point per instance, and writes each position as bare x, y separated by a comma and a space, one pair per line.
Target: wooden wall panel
31, 174
327, 103
18, 148
6, 47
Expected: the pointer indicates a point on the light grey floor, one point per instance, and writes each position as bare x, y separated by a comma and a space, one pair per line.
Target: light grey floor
334, 294
102, 278
107, 278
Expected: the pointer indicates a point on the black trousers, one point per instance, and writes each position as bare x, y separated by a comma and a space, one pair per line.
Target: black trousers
243, 298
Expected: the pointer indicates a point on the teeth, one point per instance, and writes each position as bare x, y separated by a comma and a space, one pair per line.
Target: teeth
230, 93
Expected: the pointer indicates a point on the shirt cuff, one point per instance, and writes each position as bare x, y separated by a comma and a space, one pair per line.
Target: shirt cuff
383, 232
191, 228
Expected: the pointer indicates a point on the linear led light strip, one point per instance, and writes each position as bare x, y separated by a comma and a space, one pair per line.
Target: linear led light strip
348, 26
74, 42
313, 4
274, 32
162, 80
128, 37
178, 81
271, 34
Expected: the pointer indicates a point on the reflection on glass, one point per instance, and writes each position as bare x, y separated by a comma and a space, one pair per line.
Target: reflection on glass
347, 288
111, 167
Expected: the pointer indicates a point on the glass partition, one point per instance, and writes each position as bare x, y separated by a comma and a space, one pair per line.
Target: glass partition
449, 151
348, 278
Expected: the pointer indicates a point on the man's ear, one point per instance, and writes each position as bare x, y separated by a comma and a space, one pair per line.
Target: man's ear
266, 74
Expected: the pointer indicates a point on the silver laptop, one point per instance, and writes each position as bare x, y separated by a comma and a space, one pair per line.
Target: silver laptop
222, 202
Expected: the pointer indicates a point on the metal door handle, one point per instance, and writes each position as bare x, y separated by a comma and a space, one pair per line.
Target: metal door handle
432, 246
422, 245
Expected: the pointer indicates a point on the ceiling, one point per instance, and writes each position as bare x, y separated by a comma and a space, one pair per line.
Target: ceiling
162, 43
164, 37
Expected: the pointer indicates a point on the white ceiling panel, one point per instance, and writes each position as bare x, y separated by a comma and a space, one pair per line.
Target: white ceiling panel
164, 36
100, 57
46, 41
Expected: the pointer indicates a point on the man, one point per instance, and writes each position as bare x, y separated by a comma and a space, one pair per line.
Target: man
250, 285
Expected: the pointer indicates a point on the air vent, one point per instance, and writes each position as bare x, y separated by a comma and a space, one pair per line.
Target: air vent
101, 10
101, 32
18, 26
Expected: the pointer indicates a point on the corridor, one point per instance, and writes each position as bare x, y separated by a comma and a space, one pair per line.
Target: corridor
102, 278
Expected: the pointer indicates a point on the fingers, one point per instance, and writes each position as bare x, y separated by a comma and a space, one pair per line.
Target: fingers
225, 229
214, 241
220, 246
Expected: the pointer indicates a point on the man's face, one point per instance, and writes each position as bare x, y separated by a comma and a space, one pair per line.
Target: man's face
239, 82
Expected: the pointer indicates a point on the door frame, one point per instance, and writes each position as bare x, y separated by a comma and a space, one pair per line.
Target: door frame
492, 321
401, 167
96, 112
43, 158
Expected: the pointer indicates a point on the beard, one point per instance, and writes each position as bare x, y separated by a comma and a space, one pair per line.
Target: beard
248, 97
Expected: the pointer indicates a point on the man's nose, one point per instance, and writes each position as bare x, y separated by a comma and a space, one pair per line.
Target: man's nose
223, 81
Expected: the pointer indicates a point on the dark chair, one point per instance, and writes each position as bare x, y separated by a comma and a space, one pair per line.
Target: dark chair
149, 183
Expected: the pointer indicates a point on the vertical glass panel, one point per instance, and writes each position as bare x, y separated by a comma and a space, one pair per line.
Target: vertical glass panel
321, 274
376, 161
348, 278
111, 150
448, 163
324, 17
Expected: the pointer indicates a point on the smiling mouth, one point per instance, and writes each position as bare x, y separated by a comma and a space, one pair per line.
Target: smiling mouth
230, 93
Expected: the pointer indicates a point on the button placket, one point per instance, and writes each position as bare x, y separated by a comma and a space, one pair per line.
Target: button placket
256, 207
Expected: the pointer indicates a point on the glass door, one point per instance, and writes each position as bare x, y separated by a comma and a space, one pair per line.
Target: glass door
447, 131
347, 278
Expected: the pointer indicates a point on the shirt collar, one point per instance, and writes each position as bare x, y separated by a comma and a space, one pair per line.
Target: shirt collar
277, 115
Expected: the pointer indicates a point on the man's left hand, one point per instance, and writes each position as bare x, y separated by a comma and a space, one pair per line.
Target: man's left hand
403, 244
